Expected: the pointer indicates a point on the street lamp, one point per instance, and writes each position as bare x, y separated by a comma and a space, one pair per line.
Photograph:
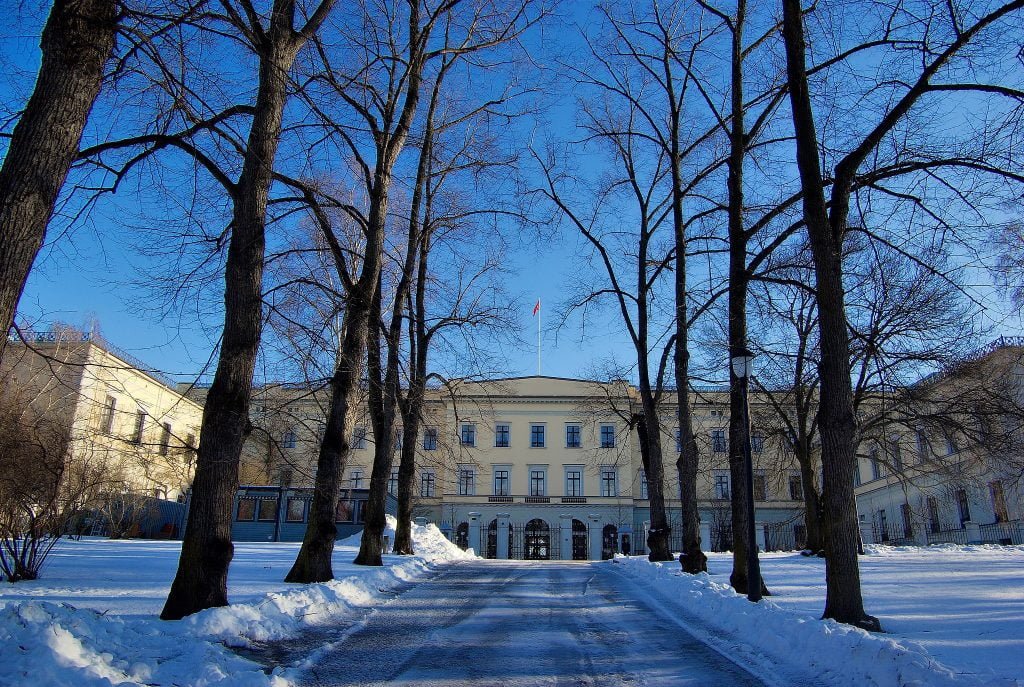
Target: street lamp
742, 367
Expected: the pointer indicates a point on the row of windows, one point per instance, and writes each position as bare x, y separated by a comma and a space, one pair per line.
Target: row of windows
537, 482
265, 510
141, 421
538, 435
723, 486
880, 466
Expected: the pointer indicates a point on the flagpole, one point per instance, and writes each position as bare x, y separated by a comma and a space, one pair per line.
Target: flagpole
538, 338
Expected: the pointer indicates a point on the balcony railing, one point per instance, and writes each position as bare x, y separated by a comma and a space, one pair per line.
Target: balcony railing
537, 499
499, 499
574, 499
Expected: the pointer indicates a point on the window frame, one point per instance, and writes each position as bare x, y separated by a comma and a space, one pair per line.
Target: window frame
502, 435
538, 481
428, 484
607, 435
429, 439
574, 481
467, 434
466, 480
538, 431
609, 487
573, 435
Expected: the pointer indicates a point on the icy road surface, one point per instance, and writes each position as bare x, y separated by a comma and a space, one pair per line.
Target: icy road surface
507, 623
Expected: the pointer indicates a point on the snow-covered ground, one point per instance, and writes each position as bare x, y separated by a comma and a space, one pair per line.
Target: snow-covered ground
952, 615
91, 618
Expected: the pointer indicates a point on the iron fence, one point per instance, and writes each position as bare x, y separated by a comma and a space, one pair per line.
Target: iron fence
947, 535
894, 534
1003, 533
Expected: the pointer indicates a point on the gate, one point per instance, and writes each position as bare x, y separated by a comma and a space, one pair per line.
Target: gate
609, 541
579, 540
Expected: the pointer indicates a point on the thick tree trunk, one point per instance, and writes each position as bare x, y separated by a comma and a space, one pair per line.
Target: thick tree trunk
407, 474
836, 422
201, 580
77, 41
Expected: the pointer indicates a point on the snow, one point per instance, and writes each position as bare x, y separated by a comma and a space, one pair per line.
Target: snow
952, 615
91, 618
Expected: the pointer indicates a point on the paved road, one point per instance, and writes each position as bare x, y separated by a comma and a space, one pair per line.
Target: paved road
506, 623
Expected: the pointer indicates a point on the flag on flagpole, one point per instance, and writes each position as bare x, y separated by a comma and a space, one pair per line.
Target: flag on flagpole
536, 308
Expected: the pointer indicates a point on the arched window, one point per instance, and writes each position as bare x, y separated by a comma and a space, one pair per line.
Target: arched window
579, 540
609, 541
462, 535
538, 540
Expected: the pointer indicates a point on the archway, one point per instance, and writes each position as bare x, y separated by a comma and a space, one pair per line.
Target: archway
462, 535
579, 540
538, 540
609, 541
491, 550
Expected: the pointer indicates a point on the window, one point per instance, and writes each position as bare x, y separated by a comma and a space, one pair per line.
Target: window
908, 521
760, 486
343, 511
288, 439
107, 418
537, 478
502, 432
466, 485
284, 477
536, 436
430, 439
359, 437
607, 436
574, 481
963, 505
246, 510
190, 442
718, 443
355, 478
883, 525
951, 446
398, 439
796, 488
501, 482
995, 489
933, 514
427, 483
165, 438
856, 473
267, 511
721, 484
296, 510
643, 485
922, 445
876, 466
572, 436
140, 427
757, 442
896, 454
608, 482
679, 440
468, 434
393, 482
718, 415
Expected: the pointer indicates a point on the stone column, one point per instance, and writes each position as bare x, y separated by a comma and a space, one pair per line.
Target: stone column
565, 546
503, 542
594, 526
474, 533
973, 532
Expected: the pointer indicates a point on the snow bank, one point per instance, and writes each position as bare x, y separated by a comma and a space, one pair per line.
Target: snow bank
765, 634
48, 643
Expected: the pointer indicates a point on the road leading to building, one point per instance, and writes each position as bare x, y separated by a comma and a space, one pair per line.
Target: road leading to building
507, 623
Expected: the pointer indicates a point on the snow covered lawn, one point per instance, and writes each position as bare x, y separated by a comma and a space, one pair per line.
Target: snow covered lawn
91, 618
953, 615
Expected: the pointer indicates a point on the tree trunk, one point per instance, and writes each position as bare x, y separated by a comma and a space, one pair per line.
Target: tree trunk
836, 422
313, 562
77, 40
201, 580
812, 502
658, 536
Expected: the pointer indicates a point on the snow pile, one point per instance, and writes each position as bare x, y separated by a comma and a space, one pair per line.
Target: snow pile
765, 634
47, 643
427, 540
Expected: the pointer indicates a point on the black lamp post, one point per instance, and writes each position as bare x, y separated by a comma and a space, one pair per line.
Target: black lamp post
742, 368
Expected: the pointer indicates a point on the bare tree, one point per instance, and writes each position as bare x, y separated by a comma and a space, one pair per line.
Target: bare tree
942, 37
77, 41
